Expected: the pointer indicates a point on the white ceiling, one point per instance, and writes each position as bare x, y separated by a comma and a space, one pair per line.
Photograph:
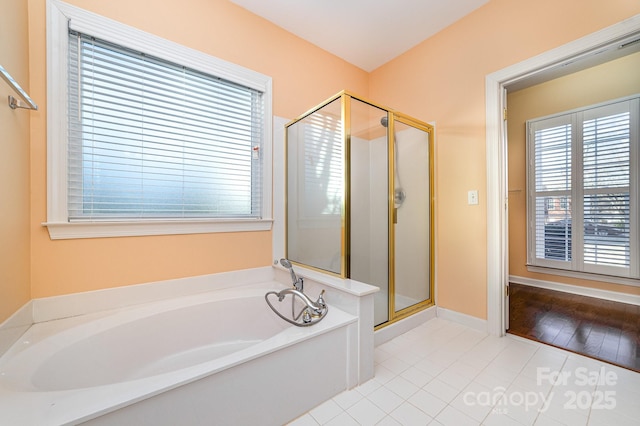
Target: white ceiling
366, 33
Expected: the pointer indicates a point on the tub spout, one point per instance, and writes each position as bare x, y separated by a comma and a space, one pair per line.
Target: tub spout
311, 312
316, 307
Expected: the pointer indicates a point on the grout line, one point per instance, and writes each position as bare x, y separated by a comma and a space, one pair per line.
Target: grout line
397, 344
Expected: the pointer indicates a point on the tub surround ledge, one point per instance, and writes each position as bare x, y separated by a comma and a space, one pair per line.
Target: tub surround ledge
15, 326
351, 296
69, 305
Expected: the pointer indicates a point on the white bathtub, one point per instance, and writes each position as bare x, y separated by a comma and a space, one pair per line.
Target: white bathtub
214, 358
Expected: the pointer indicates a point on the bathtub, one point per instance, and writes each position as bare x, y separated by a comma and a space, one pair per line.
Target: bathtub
221, 357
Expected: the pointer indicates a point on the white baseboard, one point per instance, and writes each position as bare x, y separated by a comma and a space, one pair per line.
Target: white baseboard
14, 326
579, 290
463, 319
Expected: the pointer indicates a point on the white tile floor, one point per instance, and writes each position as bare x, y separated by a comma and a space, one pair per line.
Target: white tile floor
442, 373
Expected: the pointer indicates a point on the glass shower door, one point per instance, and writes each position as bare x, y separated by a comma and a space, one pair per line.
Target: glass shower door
412, 230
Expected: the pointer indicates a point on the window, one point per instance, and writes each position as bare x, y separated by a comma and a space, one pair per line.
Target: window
583, 189
151, 137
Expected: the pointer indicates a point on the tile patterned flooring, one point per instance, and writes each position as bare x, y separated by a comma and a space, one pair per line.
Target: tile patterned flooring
443, 373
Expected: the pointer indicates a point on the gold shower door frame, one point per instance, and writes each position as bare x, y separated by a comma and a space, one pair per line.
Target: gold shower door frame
396, 315
393, 117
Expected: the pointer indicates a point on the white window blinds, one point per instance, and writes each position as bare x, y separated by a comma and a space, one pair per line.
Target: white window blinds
591, 156
152, 139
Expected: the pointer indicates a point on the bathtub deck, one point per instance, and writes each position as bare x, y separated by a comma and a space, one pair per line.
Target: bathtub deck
285, 365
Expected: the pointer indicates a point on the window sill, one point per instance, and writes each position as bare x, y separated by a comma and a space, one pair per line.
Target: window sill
75, 230
585, 275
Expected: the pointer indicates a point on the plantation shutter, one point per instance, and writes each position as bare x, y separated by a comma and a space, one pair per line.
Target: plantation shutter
606, 165
583, 189
152, 139
552, 155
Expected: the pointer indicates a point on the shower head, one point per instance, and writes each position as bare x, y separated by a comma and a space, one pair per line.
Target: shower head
287, 264
384, 121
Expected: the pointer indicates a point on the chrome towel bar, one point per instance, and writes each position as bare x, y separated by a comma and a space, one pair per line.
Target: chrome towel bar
13, 102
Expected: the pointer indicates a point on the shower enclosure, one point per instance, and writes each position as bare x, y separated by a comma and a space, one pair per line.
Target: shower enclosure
360, 200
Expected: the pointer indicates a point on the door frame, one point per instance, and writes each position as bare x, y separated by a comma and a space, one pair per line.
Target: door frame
496, 85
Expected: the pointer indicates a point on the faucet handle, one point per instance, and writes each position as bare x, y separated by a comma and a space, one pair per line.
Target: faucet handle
320, 300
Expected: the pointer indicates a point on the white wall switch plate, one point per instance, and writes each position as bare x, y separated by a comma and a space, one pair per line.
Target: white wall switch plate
472, 197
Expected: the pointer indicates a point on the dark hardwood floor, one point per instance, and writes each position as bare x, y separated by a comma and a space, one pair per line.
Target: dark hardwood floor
600, 329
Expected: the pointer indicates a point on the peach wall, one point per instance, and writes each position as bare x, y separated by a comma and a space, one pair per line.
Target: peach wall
442, 80
14, 162
612, 80
303, 75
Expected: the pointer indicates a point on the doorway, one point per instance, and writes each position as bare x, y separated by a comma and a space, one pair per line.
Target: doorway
583, 52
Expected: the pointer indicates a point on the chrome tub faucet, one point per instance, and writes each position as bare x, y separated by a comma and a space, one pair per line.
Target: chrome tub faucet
311, 312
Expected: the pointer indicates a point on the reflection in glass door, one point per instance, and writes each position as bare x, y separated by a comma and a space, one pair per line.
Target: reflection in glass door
315, 189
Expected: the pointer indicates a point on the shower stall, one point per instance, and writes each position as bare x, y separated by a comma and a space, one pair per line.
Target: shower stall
360, 200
